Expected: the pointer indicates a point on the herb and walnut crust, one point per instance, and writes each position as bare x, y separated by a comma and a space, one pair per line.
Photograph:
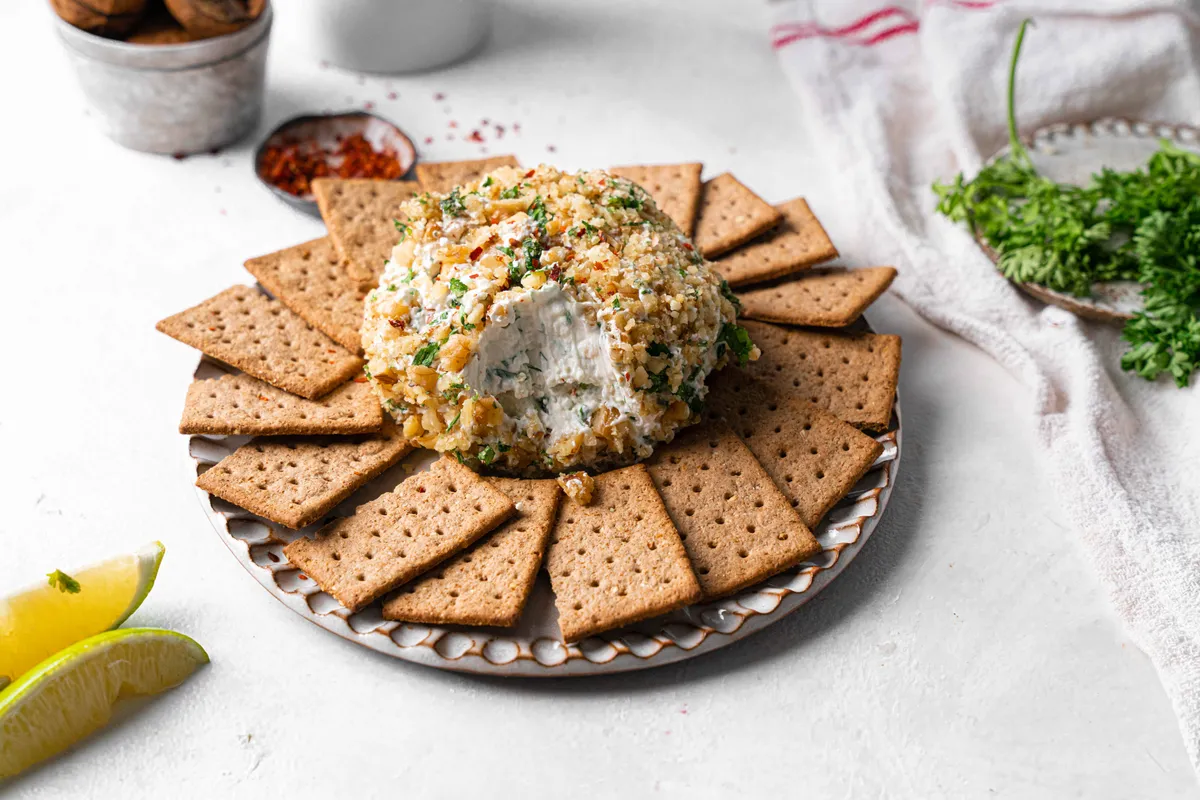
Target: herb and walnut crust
538, 320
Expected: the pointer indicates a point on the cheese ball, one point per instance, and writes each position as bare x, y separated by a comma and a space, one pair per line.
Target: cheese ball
539, 321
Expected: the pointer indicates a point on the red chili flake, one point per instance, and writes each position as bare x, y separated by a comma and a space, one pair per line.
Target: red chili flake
555, 271
552, 148
428, 140
392, 95
439, 96
516, 127
361, 379
330, 350
499, 131
294, 164
453, 123
529, 174
578, 232
473, 275
476, 253
475, 137
368, 105
483, 122
179, 156
396, 323
687, 246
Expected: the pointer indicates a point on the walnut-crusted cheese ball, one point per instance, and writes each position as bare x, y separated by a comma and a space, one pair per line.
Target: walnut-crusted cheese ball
544, 321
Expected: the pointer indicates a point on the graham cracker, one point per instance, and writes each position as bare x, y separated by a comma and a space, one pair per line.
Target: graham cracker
311, 280
797, 244
443, 176
262, 337
296, 481
730, 214
360, 214
618, 559
238, 404
674, 187
490, 583
822, 299
389, 541
737, 528
812, 456
851, 375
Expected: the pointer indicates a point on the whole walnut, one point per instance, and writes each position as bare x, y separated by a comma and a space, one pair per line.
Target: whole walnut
215, 17
159, 27
113, 18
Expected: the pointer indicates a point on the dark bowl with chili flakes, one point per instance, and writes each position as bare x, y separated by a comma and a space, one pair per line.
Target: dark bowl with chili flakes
353, 144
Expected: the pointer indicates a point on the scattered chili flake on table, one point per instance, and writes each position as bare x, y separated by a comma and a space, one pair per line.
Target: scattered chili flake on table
293, 165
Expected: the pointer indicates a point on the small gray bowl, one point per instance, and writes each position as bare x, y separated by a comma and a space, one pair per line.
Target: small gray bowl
173, 98
325, 129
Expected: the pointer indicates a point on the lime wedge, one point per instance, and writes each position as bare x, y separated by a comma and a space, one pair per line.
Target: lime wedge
72, 693
38, 622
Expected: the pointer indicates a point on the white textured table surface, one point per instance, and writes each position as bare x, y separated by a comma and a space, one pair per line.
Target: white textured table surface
967, 653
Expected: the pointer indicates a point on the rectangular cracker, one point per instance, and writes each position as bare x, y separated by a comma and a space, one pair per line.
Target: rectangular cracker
737, 528
488, 584
262, 337
797, 244
312, 280
730, 215
394, 538
812, 456
821, 298
618, 559
443, 176
674, 187
295, 482
360, 214
851, 375
238, 404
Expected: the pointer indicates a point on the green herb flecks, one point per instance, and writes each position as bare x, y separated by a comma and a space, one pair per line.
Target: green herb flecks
1142, 226
400, 226
487, 454
537, 211
454, 421
457, 287
728, 294
512, 192
737, 339
424, 357
625, 201
63, 582
488, 181
452, 205
658, 349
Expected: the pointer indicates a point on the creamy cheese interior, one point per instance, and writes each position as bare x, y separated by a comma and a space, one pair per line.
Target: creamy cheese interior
547, 365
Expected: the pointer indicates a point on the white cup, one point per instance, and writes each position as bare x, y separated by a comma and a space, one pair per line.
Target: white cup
386, 36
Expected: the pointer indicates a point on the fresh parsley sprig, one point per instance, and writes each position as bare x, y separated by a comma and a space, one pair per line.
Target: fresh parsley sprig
1142, 226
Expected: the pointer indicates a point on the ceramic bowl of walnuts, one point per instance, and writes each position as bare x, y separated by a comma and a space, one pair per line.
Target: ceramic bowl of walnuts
169, 76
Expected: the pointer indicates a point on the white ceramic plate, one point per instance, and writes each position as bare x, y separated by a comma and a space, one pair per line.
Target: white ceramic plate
534, 647
1071, 154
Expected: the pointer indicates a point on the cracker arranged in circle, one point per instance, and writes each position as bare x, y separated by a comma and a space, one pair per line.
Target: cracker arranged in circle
730, 215
822, 299
812, 456
489, 583
394, 538
360, 214
442, 176
618, 559
798, 243
674, 187
852, 375
737, 527
262, 337
296, 481
240, 405
312, 280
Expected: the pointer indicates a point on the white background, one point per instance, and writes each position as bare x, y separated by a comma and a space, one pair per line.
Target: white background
968, 652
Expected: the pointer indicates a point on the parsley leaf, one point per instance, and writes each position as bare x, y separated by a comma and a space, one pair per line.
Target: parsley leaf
400, 226
658, 349
425, 356
486, 454
452, 205
737, 339
512, 192
625, 201
457, 287
63, 582
537, 211
489, 181
1142, 225
454, 421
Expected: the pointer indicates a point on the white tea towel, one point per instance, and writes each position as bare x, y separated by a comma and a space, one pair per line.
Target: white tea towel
900, 96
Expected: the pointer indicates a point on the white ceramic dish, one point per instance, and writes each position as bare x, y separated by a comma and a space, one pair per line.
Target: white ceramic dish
533, 648
1071, 154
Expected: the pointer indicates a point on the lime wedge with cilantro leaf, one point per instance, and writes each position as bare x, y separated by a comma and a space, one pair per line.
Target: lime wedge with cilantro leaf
72, 693
65, 608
